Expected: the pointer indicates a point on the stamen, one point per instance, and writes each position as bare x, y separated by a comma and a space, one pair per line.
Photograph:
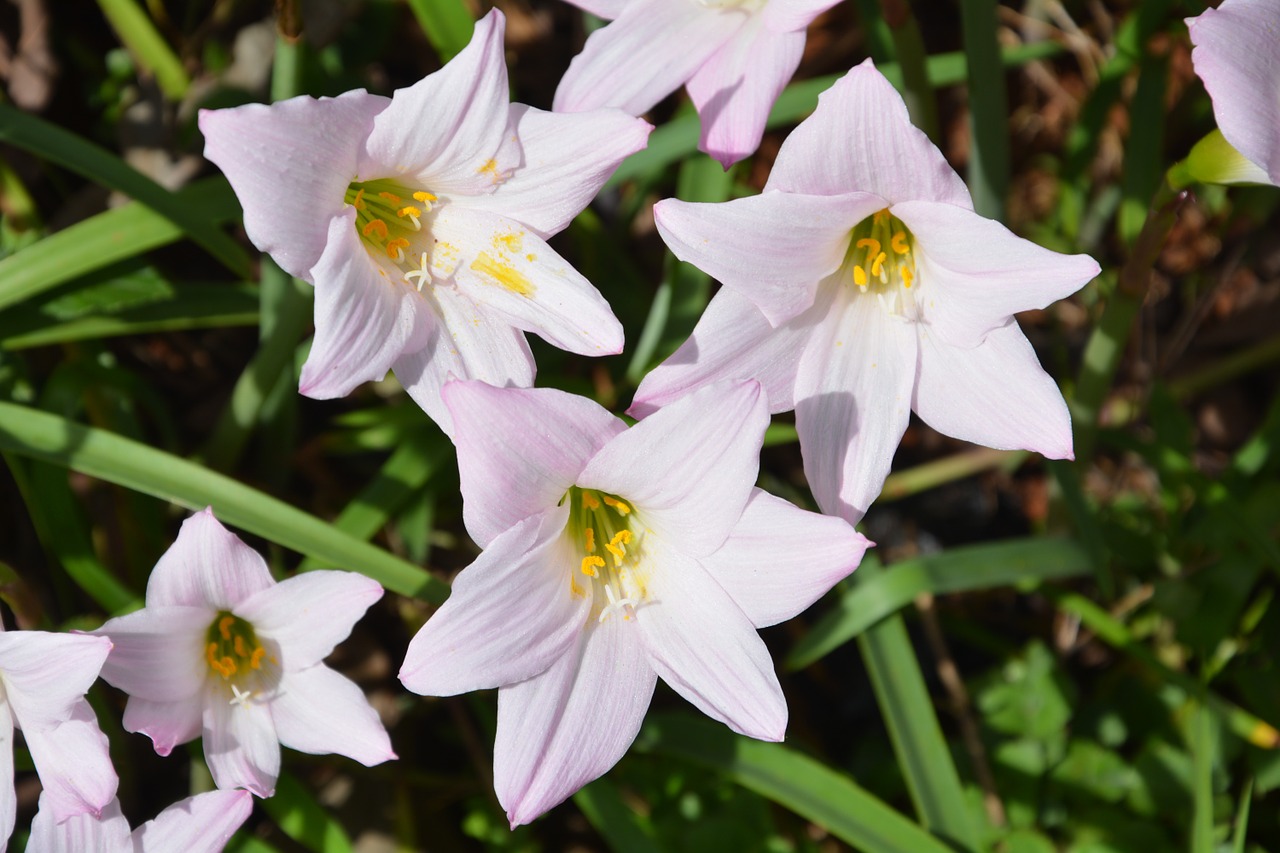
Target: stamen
899, 243
395, 249
358, 203
907, 277
591, 566
424, 197
877, 265
871, 244
375, 225
224, 626
860, 278
590, 535
618, 505
412, 213
255, 660
391, 197
589, 501
239, 646
617, 546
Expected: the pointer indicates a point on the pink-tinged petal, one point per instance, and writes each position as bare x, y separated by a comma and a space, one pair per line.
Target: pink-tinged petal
200, 824
468, 342
289, 164
563, 728
8, 797
733, 341
567, 159
1237, 55
366, 317
240, 743
860, 139
688, 469
737, 85
206, 566
45, 675
309, 614
450, 129
166, 723
653, 48
519, 450
319, 712
507, 269
72, 762
973, 273
108, 833
994, 394
791, 15
779, 559
704, 646
772, 248
158, 653
853, 401
512, 613
607, 9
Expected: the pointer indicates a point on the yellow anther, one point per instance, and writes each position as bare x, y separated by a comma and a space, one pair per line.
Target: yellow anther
617, 546
358, 202
375, 226
899, 243
255, 660
410, 211
880, 215
396, 247
871, 244
424, 197
224, 626
878, 263
860, 277
907, 277
589, 501
618, 505
590, 535
391, 197
239, 646
591, 566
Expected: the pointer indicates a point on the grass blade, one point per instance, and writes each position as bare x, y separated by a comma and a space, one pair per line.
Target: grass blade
447, 24
988, 109
147, 46
626, 832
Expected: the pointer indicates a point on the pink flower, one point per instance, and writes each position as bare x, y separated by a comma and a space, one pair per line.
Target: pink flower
860, 286
43, 679
222, 649
734, 57
614, 556
1237, 55
422, 220
200, 824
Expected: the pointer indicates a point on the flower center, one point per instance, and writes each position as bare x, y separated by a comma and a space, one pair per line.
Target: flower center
389, 221
234, 653
610, 541
881, 260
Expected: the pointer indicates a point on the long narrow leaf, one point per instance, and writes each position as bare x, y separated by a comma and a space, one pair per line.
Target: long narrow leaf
150, 50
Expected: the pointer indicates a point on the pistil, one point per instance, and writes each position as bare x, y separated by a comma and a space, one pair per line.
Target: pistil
603, 526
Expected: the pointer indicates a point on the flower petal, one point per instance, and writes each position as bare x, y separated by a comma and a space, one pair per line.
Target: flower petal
289, 164
108, 833
779, 559
974, 273
450, 129
853, 401
519, 450
789, 15
512, 613
860, 139
158, 653
607, 9
8, 796
994, 394
166, 723
310, 613
688, 469
737, 85
704, 646
1236, 56
200, 824
468, 342
45, 675
772, 248
732, 341
240, 743
365, 317
507, 269
73, 764
318, 711
206, 566
563, 728
567, 159
646, 54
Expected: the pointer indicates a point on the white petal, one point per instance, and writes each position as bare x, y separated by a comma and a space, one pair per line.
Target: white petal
81, 833
780, 558
158, 653
166, 723
853, 401
8, 797
200, 824
318, 711
704, 646
206, 566
790, 15
73, 765
240, 743
45, 675
563, 728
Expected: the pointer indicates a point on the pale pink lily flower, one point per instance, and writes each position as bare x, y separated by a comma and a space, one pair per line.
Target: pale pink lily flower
43, 679
613, 556
222, 649
860, 286
200, 824
733, 56
1237, 55
422, 220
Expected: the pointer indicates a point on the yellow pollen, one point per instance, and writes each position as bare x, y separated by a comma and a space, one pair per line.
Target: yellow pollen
617, 546
358, 204
591, 566
871, 244
878, 263
860, 277
618, 505
424, 197
502, 274
224, 626
899, 243
391, 197
907, 277
255, 659
396, 247
590, 535
375, 225
410, 210
238, 645
589, 501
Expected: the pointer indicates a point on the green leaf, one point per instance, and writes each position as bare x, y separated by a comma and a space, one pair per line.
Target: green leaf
626, 831
988, 109
150, 50
52, 143
802, 784
300, 817
131, 464
447, 24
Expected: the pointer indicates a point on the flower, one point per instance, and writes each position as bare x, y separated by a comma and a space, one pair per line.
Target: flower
200, 824
733, 56
1237, 55
223, 649
613, 556
859, 286
43, 679
422, 220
